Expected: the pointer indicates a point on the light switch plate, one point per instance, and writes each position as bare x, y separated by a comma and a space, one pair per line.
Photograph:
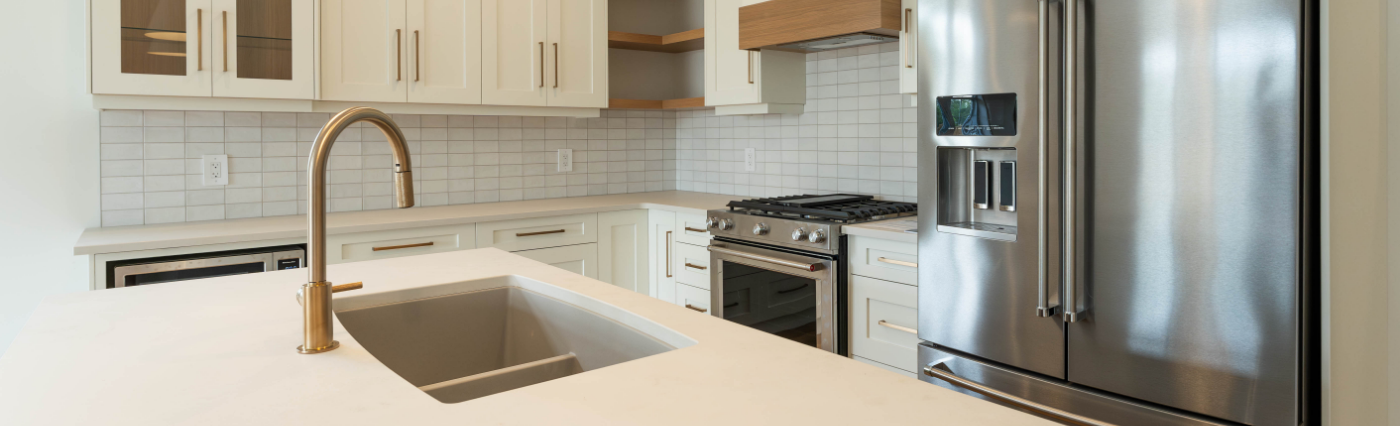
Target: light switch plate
750, 160
215, 169
566, 160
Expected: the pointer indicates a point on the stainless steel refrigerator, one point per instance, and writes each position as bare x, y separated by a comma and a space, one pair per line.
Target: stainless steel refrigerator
1118, 210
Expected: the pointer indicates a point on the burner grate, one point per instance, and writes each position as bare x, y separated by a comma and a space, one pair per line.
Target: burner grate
843, 208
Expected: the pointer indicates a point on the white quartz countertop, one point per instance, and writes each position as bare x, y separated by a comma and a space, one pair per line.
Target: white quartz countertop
221, 351
892, 229
146, 237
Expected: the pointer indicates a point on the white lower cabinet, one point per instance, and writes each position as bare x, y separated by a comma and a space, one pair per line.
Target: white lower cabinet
529, 234
360, 246
580, 259
692, 265
884, 321
692, 298
660, 254
884, 259
622, 250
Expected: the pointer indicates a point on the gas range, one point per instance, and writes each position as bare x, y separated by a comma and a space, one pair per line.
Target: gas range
806, 222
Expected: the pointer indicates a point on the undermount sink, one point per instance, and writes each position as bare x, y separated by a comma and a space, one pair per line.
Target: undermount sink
467, 340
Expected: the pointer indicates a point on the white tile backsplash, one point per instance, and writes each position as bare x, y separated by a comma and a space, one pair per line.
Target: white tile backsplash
151, 165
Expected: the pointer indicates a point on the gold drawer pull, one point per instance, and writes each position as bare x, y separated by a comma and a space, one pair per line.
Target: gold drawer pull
898, 327
692, 265
898, 262
402, 246
694, 229
531, 234
696, 309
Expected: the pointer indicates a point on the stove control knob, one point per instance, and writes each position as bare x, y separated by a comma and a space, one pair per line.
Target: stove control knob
799, 234
760, 229
726, 224
712, 222
816, 236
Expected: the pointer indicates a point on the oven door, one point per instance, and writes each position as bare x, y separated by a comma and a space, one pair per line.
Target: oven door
786, 292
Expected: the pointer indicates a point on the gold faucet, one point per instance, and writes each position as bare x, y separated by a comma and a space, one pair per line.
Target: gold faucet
315, 295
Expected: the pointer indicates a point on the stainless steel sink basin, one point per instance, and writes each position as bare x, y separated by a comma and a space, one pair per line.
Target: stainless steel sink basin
468, 340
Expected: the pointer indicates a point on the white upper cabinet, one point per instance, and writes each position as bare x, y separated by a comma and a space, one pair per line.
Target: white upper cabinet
513, 38
908, 47
362, 50
445, 50
152, 47
264, 49
748, 82
578, 61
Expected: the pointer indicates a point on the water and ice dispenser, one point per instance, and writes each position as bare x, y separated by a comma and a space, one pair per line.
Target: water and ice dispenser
977, 184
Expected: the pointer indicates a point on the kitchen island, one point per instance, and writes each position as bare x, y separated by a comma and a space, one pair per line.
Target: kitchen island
221, 351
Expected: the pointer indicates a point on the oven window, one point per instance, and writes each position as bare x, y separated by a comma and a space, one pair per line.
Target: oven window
193, 274
773, 302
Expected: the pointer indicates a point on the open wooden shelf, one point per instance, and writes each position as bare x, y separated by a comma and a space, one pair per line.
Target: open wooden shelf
664, 104
673, 43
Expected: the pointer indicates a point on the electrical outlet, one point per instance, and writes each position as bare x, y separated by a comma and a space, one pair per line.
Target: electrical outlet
215, 169
566, 160
750, 160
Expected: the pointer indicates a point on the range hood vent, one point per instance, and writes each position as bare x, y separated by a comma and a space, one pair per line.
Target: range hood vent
816, 25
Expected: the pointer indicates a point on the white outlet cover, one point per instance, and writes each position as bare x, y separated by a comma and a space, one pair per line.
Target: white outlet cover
566, 160
750, 160
215, 169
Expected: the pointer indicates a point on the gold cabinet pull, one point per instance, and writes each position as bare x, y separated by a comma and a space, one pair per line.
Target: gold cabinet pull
402, 246
696, 308
225, 14
908, 45
695, 229
898, 327
668, 254
531, 234
199, 38
542, 65
692, 265
897, 262
750, 53
417, 57
556, 65
398, 54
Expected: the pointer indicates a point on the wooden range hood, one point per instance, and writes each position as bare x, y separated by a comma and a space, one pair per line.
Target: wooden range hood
783, 24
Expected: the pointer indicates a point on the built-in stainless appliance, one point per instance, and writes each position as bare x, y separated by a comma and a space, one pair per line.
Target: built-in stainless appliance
1120, 208
777, 263
134, 272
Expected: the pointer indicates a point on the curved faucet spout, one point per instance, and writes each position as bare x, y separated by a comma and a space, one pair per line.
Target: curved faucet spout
316, 293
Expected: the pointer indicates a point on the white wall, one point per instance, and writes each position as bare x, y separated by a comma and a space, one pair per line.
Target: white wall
48, 173
1358, 331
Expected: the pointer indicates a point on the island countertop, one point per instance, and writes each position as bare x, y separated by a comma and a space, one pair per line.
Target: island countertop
221, 351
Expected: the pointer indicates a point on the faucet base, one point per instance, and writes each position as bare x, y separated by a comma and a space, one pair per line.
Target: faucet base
334, 344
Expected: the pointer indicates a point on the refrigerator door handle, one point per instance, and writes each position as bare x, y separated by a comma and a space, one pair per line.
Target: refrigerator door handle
942, 372
1071, 296
1043, 308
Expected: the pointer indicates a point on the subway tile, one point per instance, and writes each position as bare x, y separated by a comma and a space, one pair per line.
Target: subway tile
115, 118
164, 118
123, 217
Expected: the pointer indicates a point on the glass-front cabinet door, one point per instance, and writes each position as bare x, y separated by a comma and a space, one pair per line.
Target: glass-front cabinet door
223, 48
263, 49
151, 47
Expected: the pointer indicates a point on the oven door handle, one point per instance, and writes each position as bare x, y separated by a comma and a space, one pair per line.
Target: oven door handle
809, 267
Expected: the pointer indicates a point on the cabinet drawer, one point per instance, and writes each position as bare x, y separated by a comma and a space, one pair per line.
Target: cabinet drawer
889, 368
529, 234
580, 259
692, 265
399, 242
693, 298
690, 229
884, 317
884, 259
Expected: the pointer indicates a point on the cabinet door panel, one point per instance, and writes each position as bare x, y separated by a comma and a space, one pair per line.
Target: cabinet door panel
580, 259
908, 45
445, 45
622, 250
513, 51
578, 58
732, 74
662, 251
362, 45
263, 49
152, 47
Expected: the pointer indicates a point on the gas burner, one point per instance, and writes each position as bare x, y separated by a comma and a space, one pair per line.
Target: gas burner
836, 208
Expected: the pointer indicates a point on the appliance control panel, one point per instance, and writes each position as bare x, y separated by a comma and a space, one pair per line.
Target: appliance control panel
772, 230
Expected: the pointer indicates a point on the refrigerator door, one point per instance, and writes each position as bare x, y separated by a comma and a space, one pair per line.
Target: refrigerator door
1188, 238
981, 250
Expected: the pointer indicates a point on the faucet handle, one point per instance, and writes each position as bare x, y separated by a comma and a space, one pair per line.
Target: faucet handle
347, 287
